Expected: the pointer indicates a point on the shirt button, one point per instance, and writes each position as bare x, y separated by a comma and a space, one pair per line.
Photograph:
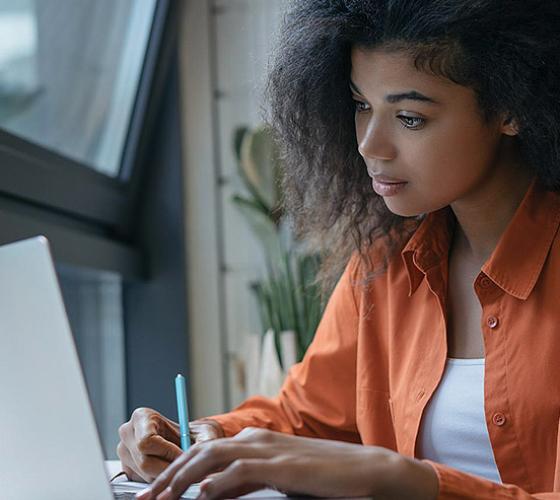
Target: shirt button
420, 395
492, 322
499, 419
485, 282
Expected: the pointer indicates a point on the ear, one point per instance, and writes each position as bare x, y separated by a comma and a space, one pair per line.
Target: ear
509, 126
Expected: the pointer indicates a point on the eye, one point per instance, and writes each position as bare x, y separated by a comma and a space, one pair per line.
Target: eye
411, 122
361, 106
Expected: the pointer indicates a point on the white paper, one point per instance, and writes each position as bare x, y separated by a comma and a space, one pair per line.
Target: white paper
132, 487
122, 485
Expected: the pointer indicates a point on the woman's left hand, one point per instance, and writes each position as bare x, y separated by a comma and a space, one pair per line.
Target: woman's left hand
258, 458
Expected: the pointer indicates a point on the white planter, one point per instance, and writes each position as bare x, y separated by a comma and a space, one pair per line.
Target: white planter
289, 349
263, 371
271, 374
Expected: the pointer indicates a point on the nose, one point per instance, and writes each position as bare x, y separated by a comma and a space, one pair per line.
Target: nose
374, 141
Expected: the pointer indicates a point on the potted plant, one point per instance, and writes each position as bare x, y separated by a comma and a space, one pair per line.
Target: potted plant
288, 297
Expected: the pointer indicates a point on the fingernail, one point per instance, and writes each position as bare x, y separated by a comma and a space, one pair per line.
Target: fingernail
165, 494
144, 494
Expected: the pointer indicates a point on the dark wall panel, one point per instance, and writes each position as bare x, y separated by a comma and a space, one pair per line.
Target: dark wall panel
155, 311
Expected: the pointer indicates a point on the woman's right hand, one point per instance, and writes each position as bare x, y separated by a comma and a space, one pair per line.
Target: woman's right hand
150, 442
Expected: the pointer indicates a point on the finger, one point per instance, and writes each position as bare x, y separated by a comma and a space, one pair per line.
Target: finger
203, 435
127, 463
258, 435
150, 452
142, 468
185, 471
213, 457
126, 433
130, 431
159, 447
151, 467
139, 466
236, 492
168, 429
144, 424
206, 429
161, 482
241, 477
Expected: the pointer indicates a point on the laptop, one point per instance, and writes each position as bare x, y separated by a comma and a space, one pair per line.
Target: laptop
50, 448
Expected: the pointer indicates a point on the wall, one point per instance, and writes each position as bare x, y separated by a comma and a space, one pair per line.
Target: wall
224, 52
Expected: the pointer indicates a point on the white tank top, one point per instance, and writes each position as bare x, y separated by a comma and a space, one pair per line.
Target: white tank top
453, 429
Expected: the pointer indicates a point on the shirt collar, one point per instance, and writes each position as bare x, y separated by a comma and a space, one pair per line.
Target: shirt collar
517, 260
428, 246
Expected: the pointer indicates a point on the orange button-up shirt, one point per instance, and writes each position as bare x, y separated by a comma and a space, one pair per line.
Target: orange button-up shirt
380, 351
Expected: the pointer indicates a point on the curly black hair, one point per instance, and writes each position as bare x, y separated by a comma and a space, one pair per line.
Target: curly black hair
507, 51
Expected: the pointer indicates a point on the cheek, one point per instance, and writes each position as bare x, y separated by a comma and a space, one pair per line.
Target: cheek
441, 168
452, 155
360, 126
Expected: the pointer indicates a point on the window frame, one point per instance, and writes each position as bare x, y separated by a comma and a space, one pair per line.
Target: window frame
43, 191
75, 188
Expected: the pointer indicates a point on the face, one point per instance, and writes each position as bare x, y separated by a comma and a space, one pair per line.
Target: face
422, 137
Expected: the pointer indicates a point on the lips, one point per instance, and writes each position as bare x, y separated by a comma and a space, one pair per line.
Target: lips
385, 185
385, 179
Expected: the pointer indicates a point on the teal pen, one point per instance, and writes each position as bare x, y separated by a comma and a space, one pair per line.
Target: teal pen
183, 411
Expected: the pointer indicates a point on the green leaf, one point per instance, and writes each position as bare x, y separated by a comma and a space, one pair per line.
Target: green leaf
263, 227
238, 135
263, 304
260, 166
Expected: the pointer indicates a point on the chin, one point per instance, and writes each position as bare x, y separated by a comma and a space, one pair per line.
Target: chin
409, 206
405, 209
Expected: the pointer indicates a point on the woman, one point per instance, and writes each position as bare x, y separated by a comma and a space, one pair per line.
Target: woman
423, 137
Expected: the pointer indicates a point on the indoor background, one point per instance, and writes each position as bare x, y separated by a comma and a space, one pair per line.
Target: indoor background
117, 121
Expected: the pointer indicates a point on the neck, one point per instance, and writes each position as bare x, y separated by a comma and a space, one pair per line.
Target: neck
483, 215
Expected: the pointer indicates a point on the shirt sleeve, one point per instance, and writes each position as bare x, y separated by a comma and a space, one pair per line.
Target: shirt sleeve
318, 397
457, 485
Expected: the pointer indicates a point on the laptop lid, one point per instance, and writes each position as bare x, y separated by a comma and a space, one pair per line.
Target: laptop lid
49, 445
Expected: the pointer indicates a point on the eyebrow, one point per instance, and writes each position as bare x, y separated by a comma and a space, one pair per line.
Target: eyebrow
411, 95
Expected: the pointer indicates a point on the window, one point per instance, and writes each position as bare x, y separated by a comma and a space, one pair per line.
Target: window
88, 140
69, 73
